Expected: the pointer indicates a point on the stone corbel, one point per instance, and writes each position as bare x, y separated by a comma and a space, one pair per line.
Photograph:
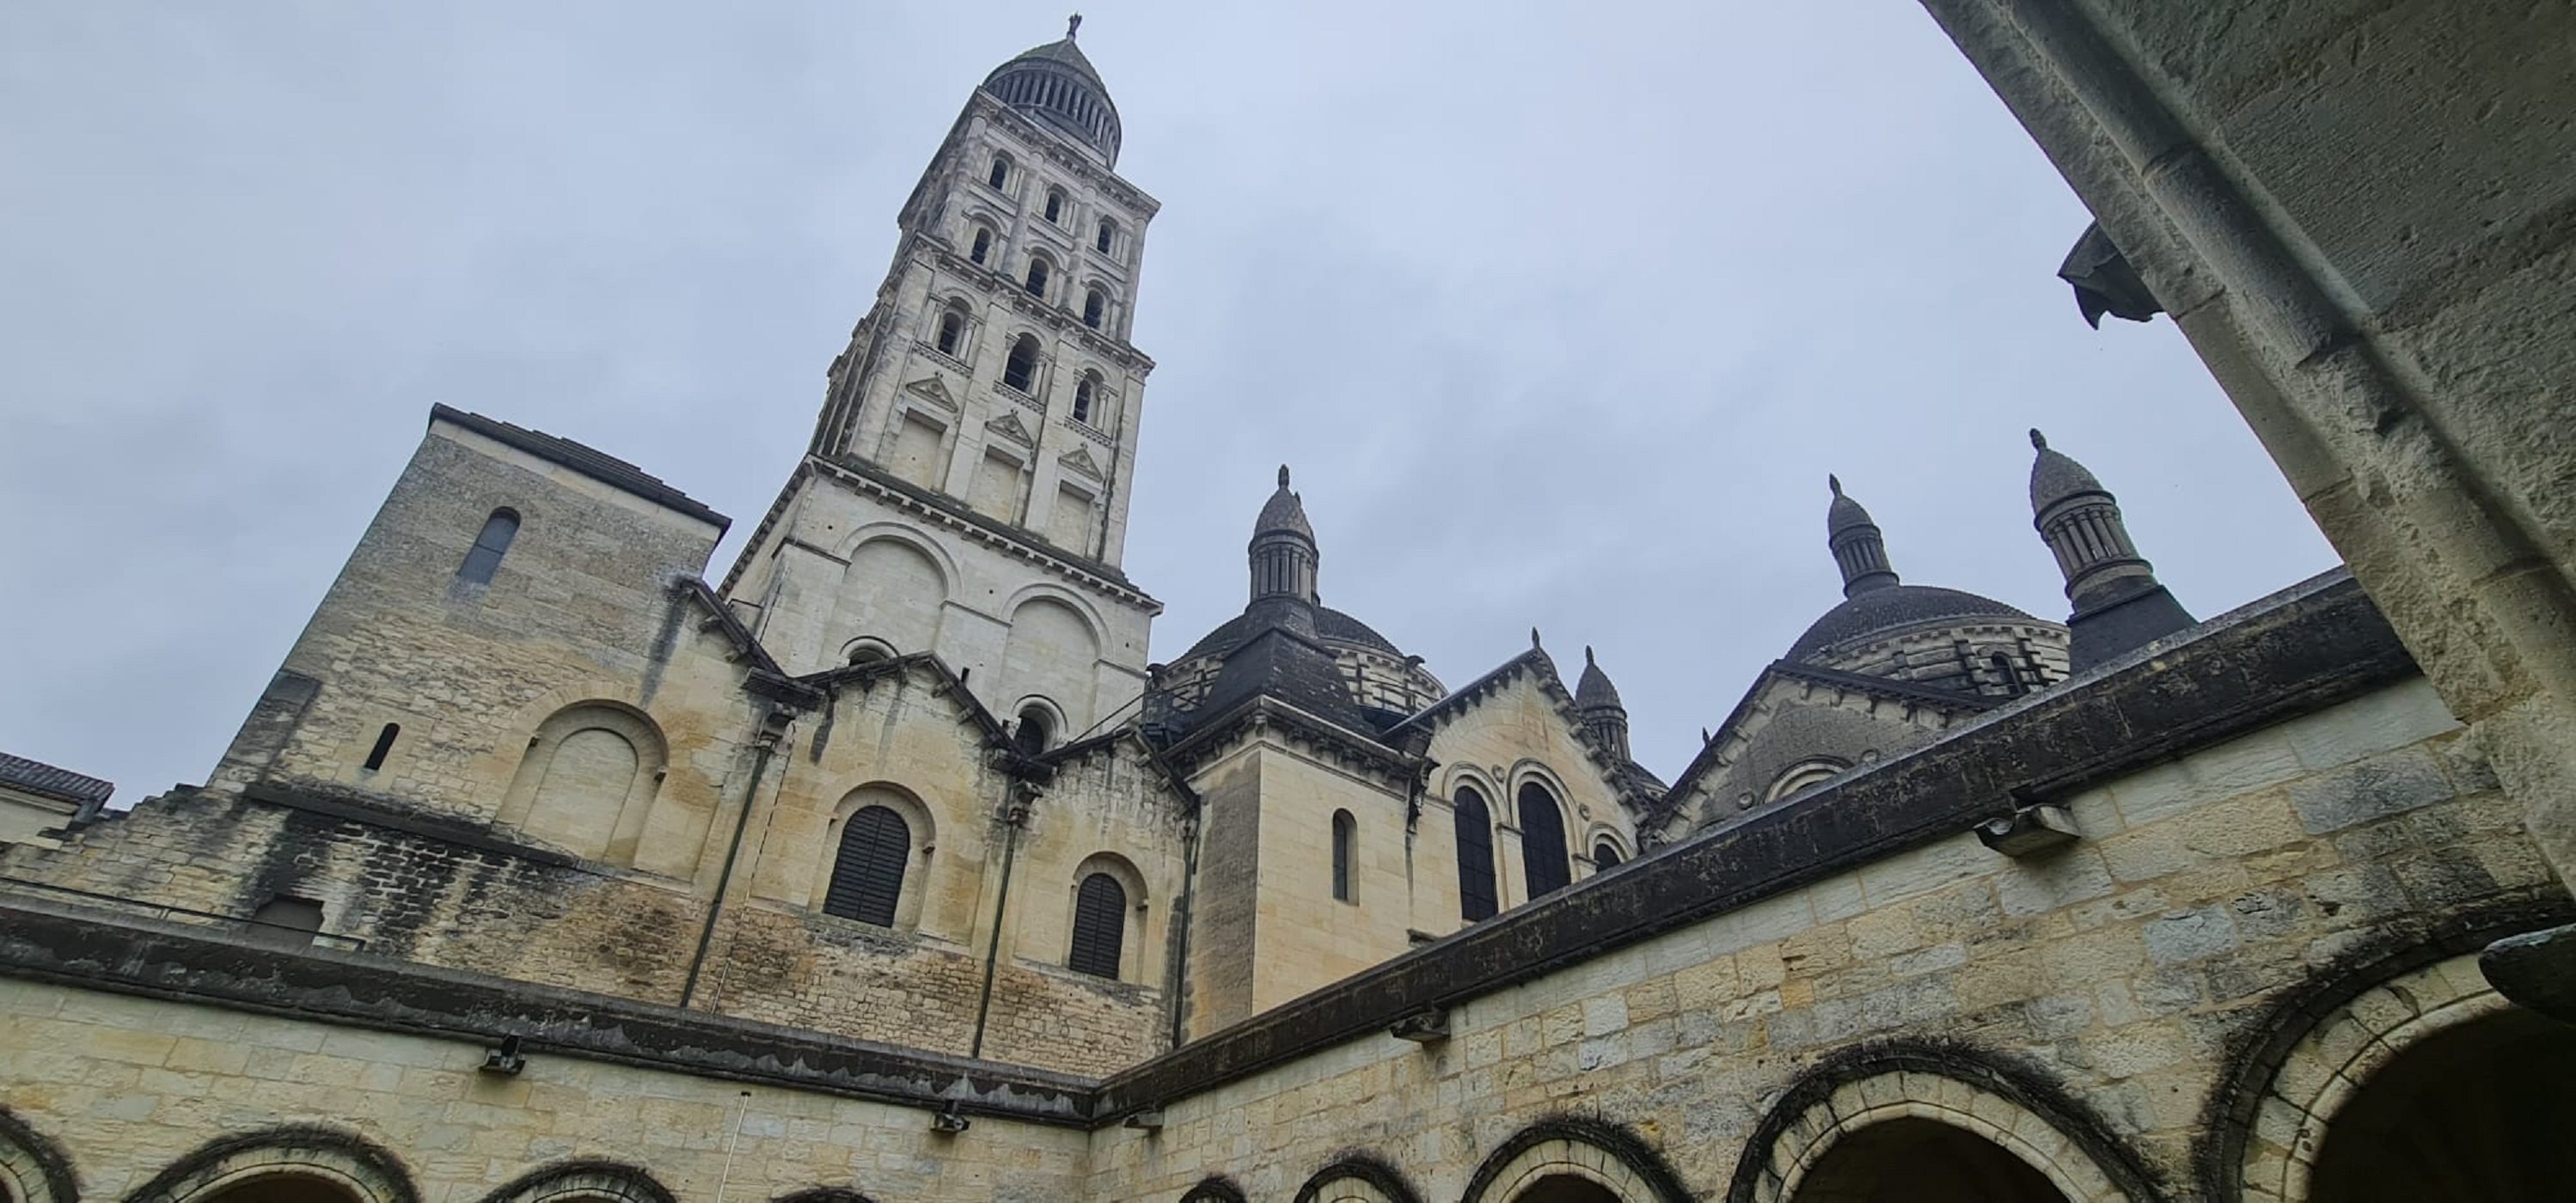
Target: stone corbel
2031, 830
1429, 1025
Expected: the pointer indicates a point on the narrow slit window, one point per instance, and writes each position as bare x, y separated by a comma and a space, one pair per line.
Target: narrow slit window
1345, 841
485, 557
384, 746
1099, 926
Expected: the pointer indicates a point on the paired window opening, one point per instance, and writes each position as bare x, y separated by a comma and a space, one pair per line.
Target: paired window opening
484, 558
1543, 855
867, 875
982, 247
1037, 278
384, 746
1094, 307
1001, 173
952, 330
1099, 926
1345, 844
1020, 367
1475, 856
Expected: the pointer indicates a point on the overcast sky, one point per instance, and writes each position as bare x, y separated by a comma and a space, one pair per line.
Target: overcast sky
1561, 312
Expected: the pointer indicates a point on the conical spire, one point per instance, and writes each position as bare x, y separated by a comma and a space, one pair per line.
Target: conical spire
1597, 705
1283, 549
1056, 84
1859, 550
2119, 604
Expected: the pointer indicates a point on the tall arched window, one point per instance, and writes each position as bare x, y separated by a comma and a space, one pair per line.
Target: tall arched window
1037, 278
982, 248
1086, 391
1543, 842
1345, 841
1094, 307
1605, 855
1001, 173
952, 330
1475, 856
1099, 926
867, 876
484, 558
1055, 205
1020, 368
1108, 233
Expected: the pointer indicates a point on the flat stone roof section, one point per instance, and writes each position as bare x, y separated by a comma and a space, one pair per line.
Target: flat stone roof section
589, 461
37, 777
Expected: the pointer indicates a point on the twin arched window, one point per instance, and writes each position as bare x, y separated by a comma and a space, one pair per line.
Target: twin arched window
1345, 847
952, 329
1475, 855
1037, 277
1543, 856
1086, 394
1099, 926
1095, 306
867, 874
484, 558
1020, 367
1001, 173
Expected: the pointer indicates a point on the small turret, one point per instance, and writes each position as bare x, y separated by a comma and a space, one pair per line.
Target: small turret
1859, 550
2118, 602
1597, 704
1284, 559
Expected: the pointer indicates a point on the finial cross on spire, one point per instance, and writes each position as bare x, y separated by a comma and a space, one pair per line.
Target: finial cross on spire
1072, 26
2038, 441
1283, 476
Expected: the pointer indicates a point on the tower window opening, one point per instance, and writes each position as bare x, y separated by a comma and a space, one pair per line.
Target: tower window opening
1001, 173
1108, 232
1099, 927
384, 746
1085, 391
1055, 206
484, 558
1034, 733
1037, 277
1094, 307
1020, 367
952, 330
1345, 839
982, 248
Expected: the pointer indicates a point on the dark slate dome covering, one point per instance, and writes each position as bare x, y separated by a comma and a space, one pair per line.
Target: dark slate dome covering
2054, 476
1057, 85
1865, 614
1593, 691
1330, 625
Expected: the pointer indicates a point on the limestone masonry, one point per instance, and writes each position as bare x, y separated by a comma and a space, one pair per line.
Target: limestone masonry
891, 865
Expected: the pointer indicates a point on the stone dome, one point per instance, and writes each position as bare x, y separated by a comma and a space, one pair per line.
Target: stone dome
2054, 477
1844, 514
1332, 626
1056, 85
1593, 691
1878, 611
1285, 512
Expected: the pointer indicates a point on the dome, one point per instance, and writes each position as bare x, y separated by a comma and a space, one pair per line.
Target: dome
1331, 626
1880, 610
2054, 477
1593, 691
1057, 85
1283, 513
1844, 513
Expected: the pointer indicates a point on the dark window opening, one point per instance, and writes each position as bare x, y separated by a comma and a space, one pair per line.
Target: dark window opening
285, 922
1475, 856
1108, 231
2007, 675
983, 246
1094, 307
952, 332
1099, 926
1035, 732
1083, 392
867, 875
1001, 172
1020, 368
1037, 281
1543, 842
484, 558
1345, 837
1055, 207
384, 746
1605, 855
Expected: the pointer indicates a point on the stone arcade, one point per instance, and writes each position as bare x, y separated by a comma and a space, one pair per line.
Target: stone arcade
890, 867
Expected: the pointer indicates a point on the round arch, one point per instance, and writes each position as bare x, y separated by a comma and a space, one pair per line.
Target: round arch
560, 809
1215, 1189
1037, 591
1474, 778
1059, 732
872, 532
923, 827
1528, 770
342, 1162
33, 1169
584, 1180
1358, 1178
1553, 1154
1955, 1087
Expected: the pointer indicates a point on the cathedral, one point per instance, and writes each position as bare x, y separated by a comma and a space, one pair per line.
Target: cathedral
892, 863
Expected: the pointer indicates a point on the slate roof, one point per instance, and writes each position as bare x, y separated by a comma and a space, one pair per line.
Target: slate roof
2054, 476
589, 461
1876, 610
1063, 52
1593, 690
37, 777
1331, 625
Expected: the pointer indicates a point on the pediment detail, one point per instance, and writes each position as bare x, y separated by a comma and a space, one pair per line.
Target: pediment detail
929, 388
1008, 426
1079, 460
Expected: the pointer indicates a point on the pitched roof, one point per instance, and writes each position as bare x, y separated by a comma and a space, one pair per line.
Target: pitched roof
589, 461
37, 777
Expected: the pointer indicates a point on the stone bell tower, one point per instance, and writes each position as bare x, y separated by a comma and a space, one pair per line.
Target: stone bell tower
966, 490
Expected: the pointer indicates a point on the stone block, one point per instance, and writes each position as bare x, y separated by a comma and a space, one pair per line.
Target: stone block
2375, 788
2190, 935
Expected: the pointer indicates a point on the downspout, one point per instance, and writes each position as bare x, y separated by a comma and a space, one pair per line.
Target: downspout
764, 746
1176, 984
1015, 815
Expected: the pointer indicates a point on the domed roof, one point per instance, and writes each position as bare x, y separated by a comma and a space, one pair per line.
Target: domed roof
1879, 610
1331, 626
1844, 513
2054, 477
1283, 512
1057, 84
1593, 691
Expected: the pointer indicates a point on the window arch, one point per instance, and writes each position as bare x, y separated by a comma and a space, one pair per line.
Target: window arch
1036, 281
1055, 205
1036, 731
1605, 855
951, 335
2008, 675
1543, 857
1345, 847
1475, 855
1000, 175
981, 248
1086, 396
1099, 926
1804, 775
867, 872
1108, 234
484, 558
588, 780
1095, 306
1020, 367
868, 650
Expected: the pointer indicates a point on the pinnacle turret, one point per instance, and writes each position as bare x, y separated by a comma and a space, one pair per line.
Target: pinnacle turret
1859, 549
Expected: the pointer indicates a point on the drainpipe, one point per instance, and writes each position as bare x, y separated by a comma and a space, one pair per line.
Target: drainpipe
764, 745
1176, 983
1015, 815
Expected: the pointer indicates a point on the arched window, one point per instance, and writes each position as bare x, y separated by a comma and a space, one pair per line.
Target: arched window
1020, 368
1085, 392
1035, 731
952, 329
1605, 855
588, 780
1094, 307
983, 245
1345, 841
2006, 675
1108, 233
484, 558
1475, 856
1037, 278
1099, 926
384, 746
1055, 205
1001, 173
867, 876
1543, 842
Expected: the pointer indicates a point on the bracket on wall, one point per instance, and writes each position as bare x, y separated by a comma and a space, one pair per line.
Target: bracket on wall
2030, 830
503, 1059
1429, 1025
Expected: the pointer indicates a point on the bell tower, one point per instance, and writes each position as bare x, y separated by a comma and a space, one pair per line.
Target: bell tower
966, 489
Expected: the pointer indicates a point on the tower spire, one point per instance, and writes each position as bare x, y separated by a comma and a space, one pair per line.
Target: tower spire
1859, 550
1597, 706
2118, 602
1283, 552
